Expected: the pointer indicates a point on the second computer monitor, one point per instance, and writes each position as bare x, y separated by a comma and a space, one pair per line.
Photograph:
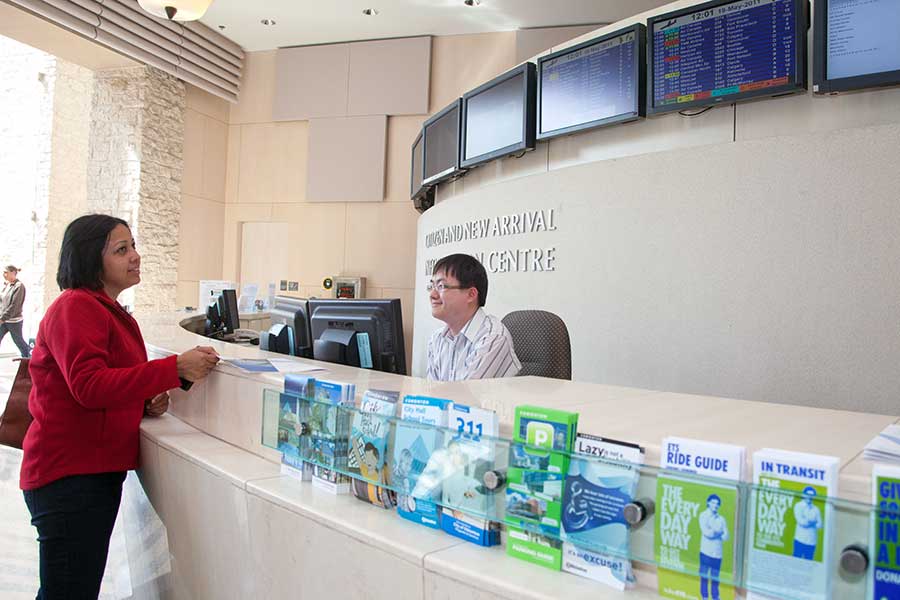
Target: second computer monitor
366, 333
293, 313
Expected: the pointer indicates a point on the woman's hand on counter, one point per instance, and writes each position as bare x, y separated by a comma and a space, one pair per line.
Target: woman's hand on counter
157, 406
196, 364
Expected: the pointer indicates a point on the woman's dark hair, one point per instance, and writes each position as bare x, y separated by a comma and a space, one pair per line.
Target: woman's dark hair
467, 270
81, 254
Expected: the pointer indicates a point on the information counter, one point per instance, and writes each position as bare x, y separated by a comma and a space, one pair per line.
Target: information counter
239, 529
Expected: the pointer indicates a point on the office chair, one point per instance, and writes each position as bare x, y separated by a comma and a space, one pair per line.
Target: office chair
541, 342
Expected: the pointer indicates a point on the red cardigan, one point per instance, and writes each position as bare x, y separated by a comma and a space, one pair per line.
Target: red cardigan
90, 378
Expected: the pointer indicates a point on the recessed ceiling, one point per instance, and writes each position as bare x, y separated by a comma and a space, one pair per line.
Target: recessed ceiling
302, 22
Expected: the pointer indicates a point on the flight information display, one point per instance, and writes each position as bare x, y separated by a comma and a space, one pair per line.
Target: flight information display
715, 54
863, 37
589, 84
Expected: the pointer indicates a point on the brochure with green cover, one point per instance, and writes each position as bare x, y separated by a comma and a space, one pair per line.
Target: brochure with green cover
696, 526
791, 525
538, 463
886, 559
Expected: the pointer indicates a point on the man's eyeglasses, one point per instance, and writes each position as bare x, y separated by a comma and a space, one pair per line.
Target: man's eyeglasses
441, 286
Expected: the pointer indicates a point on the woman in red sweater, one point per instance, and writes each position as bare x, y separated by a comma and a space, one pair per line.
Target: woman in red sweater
92, 384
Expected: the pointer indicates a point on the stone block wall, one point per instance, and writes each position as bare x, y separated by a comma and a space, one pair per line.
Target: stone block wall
74, 141
159, 217
134, 171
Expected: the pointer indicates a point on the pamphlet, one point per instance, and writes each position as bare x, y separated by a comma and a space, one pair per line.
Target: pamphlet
329, 440
368, 446
270, 365
413, 473
597, 489
468, 508
791, 526
886, 559
288, 439
696, 523
297, 389
538, 463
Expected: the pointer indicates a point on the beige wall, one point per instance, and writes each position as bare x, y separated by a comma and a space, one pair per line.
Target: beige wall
201, 234
749, 252
264, 166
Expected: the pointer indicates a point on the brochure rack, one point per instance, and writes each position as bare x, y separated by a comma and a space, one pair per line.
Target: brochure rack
466, 458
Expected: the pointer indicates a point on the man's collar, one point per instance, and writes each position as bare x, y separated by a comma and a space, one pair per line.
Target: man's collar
470, 329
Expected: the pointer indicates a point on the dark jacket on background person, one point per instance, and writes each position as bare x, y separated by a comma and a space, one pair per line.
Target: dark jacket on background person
11, 302
90, 378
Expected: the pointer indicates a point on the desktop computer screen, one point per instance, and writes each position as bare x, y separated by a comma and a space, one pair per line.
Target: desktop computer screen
228, 309
290, 316
366, 333
222, 315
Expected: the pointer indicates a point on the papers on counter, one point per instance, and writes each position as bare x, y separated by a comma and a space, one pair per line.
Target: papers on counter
884, 447
270, 365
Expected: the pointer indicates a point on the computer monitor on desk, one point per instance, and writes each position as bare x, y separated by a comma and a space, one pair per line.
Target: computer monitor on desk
289, 333
222, 315
365, 333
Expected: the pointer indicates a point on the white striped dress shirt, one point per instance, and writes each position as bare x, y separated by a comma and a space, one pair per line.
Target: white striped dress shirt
482, 349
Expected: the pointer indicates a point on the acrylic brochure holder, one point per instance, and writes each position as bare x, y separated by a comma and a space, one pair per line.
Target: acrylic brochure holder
657, 511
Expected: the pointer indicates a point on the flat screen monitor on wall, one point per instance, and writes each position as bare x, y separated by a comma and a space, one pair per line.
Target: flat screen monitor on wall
723, 52
596, 83
498, 117
441, 134
856, 45
365, 333
417, 166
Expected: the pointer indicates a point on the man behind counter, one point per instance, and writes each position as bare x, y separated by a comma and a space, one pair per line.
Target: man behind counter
474, 344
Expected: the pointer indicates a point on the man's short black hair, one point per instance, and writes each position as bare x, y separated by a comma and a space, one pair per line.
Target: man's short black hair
467, 270
81, 254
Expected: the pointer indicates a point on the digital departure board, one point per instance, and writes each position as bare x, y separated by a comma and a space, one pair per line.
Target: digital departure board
599, 82
857, 44
726, 51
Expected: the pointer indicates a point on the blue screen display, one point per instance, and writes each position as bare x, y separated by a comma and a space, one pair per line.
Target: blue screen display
725, 50
594, 83
863, 37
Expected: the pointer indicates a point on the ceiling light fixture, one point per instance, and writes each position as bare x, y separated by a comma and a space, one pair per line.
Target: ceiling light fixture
268, 21
370, 12
471, 2
176, 10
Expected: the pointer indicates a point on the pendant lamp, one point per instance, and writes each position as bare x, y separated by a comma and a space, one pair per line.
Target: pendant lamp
176, 10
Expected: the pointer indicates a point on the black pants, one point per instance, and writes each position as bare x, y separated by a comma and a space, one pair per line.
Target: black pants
15, 330
74, 517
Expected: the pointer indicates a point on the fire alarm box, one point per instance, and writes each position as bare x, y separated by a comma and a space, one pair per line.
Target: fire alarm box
349, 287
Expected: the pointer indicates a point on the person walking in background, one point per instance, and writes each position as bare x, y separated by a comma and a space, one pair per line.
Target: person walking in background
12, 299
91, 386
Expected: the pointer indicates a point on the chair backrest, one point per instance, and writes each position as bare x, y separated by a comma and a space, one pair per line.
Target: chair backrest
541, 342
